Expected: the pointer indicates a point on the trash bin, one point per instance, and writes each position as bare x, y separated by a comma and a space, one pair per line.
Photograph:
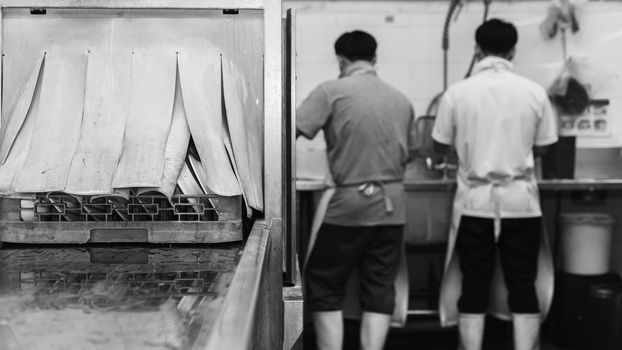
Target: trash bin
559, 161
603, 318
564, 326
586, 242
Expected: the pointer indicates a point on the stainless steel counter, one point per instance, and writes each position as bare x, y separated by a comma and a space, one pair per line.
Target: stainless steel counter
110, 296
450, 185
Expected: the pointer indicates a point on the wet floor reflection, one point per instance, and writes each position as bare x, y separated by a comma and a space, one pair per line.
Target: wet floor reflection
111, 297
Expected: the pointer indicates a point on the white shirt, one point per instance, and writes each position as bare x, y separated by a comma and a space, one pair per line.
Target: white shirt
493, 119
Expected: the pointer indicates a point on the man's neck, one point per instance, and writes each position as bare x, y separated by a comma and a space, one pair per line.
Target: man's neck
354, 66
506, 56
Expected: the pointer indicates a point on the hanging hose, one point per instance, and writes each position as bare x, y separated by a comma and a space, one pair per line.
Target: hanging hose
486, 9
425, 123
453, 6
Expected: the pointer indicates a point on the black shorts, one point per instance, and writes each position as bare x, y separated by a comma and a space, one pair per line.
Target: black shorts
373, 250
518, 247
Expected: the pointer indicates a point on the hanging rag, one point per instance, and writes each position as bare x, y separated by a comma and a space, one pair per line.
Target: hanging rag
560, 17
569, 95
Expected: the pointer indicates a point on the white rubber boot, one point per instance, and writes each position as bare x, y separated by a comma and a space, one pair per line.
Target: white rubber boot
470, 331
328, 329
526, 331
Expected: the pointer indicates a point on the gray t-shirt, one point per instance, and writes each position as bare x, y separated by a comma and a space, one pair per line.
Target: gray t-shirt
370, 131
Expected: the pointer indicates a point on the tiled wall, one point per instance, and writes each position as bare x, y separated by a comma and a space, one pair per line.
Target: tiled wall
410, 56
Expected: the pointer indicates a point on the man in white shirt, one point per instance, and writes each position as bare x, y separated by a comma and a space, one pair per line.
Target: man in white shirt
496, 120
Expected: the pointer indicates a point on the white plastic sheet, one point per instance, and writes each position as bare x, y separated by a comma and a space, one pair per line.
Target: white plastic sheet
149, 121
101, 135
176, 147
58, 122
19, 148
246, 157
18, 113
110, 116
200, 76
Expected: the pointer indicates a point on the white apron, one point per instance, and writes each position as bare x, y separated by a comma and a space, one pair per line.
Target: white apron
451, 284
351, 306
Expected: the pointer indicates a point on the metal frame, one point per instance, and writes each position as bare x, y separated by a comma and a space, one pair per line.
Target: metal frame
252, 313
290, 234
273, 175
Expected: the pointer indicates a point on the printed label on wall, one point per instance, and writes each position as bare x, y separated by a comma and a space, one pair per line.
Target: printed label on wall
594, 122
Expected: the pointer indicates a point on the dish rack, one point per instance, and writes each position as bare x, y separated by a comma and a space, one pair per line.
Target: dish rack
153, 218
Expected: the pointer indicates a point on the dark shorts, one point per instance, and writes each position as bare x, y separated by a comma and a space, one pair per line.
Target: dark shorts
518, 247
374, 251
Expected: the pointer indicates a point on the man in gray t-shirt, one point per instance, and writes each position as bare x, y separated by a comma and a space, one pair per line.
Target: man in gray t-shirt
370, 135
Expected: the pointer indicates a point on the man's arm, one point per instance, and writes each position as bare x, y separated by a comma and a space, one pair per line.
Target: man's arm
546, 132
443, 132
413, 137
312, 113
540, 151
442, 149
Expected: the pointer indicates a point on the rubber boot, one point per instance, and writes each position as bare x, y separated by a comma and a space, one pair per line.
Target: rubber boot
328, 329
526, 331
470, 331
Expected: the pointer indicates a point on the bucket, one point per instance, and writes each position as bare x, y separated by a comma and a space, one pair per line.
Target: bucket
586, 241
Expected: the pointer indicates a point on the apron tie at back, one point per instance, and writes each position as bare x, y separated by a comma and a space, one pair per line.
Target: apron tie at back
494, 194
369, 188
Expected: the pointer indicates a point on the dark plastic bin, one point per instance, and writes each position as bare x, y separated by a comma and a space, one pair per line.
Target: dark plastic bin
564, 324
602, 324
559, 161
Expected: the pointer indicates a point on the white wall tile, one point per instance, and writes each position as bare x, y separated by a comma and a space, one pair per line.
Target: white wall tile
320, 19
358, 19
408, 45
310, 75
412, 42
397, 75
420, 106
316, 44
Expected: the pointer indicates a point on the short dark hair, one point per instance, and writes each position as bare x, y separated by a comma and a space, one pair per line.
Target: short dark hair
356, 45
496, 36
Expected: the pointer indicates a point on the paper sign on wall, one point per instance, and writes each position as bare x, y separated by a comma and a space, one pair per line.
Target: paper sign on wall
594, 122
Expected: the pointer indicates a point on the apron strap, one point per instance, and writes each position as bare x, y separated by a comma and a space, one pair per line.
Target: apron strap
496, 199
494, 192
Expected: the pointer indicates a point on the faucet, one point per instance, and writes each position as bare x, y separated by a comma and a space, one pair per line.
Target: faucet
444, 165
